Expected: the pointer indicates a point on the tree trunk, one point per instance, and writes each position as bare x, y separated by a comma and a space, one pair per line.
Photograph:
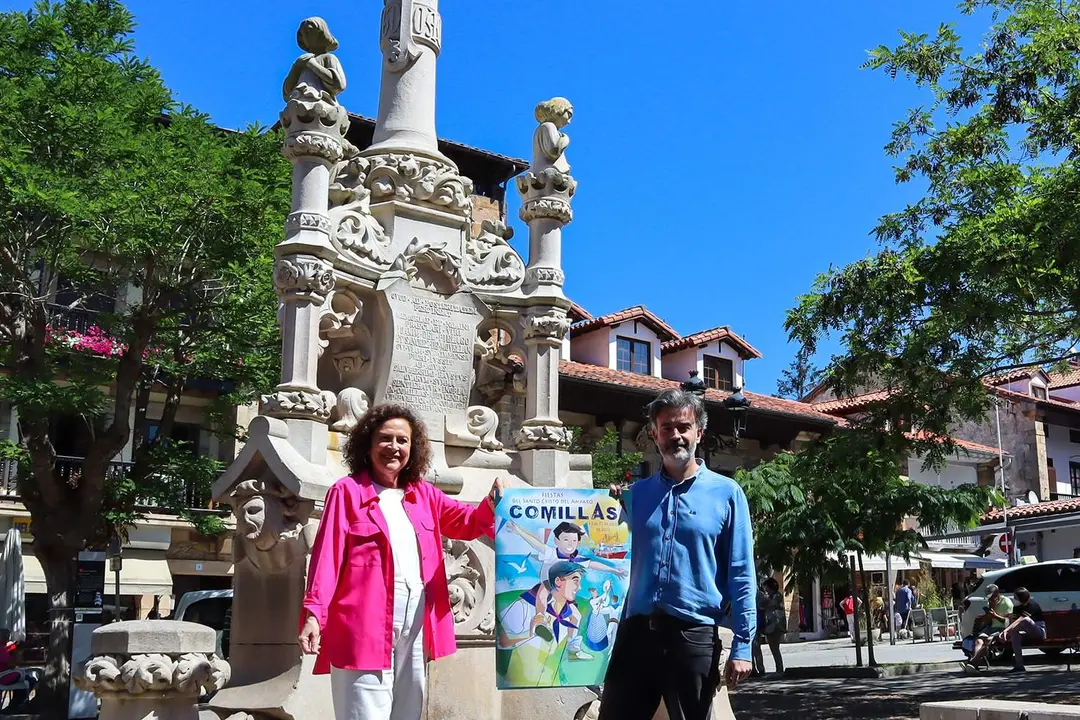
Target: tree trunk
52, 694
871, 661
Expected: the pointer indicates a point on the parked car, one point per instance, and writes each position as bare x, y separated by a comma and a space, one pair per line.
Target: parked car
1054, 584
212, 608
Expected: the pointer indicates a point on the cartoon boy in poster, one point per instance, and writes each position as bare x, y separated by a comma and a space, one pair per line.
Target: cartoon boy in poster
533, 659
567, 537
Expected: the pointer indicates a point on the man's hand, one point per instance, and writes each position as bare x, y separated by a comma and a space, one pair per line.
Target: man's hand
736, 671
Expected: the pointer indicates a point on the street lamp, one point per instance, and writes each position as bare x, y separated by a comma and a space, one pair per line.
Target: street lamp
736, 404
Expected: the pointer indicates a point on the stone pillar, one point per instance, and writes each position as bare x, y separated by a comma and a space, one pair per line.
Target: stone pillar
145, 669
546, 190
315, 125
410, 37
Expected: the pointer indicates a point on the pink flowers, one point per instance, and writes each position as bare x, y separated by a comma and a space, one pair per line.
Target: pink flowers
94, 341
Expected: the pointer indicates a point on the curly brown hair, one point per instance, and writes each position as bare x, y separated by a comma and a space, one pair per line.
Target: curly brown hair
358, 447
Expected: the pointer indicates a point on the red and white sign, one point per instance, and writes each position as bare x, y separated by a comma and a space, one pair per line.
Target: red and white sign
1005, 543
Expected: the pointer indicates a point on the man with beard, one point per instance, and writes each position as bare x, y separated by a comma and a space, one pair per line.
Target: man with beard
692, 556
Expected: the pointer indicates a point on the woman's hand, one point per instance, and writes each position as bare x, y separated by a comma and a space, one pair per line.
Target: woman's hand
310, 636
496, 492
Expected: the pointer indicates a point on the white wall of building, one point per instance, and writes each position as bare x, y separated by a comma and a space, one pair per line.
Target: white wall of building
1056, 544
677, 365
1059, 449
951, 476
592, 348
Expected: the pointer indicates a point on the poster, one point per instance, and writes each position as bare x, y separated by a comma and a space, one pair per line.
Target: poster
562, 560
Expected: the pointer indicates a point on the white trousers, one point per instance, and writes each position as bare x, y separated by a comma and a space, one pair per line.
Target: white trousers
396, 694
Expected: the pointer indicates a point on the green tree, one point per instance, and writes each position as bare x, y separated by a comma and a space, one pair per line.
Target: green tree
108, 183
799, 378
982, 272
842, 495
610, 464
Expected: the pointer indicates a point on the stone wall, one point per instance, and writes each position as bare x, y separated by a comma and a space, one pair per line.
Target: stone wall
484, 208
1022, 438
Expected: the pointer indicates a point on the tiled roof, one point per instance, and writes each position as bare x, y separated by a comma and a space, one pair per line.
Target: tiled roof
722, 333
578, 313
839, 406
1065, 378
638, 312
966, 444
1054, 507
648, 383
1020, 373
1049, 402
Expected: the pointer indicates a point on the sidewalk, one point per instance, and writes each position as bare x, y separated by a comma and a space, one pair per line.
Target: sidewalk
840, 652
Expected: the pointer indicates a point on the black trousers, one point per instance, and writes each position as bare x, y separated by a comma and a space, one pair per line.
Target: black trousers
660, 658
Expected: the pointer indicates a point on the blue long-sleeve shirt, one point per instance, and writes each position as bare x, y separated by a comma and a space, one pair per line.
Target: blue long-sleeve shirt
692, 550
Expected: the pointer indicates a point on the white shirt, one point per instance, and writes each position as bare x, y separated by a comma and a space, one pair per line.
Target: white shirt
403, 545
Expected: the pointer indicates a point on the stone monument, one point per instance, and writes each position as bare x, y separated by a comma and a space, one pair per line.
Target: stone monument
386, 294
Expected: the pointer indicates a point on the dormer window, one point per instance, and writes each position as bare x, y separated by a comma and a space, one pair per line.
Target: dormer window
719, 373
1038, 391
633, 356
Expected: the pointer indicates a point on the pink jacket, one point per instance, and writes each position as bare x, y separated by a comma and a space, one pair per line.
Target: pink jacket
351, 574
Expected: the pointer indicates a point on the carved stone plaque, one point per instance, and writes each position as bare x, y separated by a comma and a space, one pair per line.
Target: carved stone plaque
432, 360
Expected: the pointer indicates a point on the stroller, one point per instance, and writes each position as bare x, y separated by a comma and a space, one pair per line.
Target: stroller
16, 683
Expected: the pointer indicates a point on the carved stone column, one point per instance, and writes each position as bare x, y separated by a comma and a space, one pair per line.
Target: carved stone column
410, 38
315, 125
543, 440
152, 669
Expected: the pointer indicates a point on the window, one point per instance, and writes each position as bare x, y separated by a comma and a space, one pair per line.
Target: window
719, 374
1074, 477
633, 356
1038, 391
1074, 436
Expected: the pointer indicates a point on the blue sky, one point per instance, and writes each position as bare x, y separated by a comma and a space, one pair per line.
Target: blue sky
726, 152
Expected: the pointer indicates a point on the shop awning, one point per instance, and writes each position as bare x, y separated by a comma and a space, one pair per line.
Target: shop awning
962, 561
877, 563
144, 572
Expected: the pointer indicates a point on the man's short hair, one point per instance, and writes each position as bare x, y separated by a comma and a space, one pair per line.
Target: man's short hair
991, 589
568, 527
562, 569
676, 399
1022, 594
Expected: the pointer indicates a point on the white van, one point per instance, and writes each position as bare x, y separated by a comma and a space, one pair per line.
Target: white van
212, 608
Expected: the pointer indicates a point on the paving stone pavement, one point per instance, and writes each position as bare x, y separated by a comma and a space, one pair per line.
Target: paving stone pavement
897, 698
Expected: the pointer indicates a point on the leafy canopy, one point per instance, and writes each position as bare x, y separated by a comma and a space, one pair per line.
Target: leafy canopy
135, 263
982, 273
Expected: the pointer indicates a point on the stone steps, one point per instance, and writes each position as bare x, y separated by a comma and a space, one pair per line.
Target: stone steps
996, 710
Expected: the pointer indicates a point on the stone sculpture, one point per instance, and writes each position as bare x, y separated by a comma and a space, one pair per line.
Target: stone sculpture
388, 295
317, 68
272, 531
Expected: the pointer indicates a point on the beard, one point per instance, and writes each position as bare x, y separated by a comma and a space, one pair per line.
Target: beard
680, 451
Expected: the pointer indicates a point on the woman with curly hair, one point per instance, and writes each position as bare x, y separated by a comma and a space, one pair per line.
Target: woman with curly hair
377, 605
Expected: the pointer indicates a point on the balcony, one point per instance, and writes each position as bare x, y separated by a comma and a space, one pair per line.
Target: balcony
69, 468
77, 319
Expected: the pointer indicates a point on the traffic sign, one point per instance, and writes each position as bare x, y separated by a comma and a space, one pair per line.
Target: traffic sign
1005, 543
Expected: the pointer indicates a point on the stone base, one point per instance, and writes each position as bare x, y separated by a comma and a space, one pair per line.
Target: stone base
293, 695
149, 708
462, 687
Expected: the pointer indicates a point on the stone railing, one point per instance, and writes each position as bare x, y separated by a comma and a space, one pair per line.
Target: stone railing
152, 669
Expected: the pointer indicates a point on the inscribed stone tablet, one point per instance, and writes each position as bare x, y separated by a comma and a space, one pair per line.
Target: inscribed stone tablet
432, 362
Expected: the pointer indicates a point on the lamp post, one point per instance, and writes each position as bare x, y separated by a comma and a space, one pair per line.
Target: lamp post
116, 562
736, 404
